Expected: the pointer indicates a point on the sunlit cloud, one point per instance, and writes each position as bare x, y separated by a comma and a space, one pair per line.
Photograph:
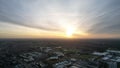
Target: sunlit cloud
56, 18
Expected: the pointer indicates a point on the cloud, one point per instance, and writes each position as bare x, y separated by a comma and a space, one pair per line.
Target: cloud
92, 16
16, 13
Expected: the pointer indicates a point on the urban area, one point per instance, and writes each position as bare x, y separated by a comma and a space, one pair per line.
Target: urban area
59, 57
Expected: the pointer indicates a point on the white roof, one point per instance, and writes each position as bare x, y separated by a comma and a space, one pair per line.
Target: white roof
118, 60
54, 57
74, 67
105, 58
100, 54
115, 51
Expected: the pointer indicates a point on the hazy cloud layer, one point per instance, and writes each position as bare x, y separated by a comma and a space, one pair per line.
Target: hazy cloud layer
92, 16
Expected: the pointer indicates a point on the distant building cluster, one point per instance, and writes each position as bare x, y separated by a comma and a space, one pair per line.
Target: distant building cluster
108, 59
58, 57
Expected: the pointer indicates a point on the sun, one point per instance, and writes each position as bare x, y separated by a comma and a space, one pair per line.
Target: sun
69, 32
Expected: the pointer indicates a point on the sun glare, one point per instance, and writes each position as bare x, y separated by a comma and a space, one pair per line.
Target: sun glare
69, 32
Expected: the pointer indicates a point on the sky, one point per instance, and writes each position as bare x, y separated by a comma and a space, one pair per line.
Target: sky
59, 18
